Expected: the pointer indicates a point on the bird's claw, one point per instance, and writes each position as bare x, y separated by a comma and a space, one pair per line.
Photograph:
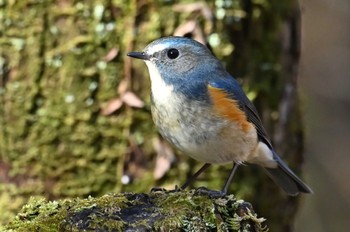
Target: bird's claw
210, 193
157, 189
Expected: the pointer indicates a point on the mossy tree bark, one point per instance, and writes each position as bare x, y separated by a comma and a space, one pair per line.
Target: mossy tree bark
71, 124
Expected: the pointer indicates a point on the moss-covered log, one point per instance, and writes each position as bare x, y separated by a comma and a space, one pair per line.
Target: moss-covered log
195, 210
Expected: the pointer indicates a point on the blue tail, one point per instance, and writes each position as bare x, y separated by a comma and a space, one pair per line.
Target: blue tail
286, 179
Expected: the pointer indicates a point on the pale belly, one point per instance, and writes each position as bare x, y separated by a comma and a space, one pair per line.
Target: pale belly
196, 131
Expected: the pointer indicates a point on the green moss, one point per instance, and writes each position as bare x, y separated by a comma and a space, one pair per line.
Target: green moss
193, 210
43, 215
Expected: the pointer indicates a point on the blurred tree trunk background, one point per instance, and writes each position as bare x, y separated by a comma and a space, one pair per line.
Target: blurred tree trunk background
74, 115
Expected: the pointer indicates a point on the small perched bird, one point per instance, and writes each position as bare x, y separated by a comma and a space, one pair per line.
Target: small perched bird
202, 110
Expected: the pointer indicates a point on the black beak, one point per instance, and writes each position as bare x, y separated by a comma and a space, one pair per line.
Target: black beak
139, 55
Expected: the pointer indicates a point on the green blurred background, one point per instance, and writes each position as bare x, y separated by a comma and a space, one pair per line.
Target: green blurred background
74, 110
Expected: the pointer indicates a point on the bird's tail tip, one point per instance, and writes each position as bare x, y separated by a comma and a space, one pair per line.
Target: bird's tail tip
288, 180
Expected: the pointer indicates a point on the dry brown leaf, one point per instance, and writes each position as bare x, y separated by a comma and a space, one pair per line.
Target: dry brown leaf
111, 54
134, 161
123, 86
185, 28
132, 100
165, 157
202, 7
112, 106
191, 27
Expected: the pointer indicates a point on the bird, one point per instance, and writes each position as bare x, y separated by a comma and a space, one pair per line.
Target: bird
202, 111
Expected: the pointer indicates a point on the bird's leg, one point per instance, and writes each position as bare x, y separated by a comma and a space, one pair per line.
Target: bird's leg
229, 179
193, 177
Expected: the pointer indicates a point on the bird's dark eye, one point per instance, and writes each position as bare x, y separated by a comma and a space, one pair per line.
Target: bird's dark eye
173, 53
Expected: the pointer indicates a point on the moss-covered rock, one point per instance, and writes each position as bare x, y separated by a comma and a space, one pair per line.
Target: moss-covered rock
195, 210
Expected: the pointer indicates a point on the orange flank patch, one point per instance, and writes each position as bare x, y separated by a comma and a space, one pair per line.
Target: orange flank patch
227, 107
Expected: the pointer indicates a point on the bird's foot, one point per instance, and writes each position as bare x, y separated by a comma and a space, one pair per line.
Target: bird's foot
158, 189
209, 192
